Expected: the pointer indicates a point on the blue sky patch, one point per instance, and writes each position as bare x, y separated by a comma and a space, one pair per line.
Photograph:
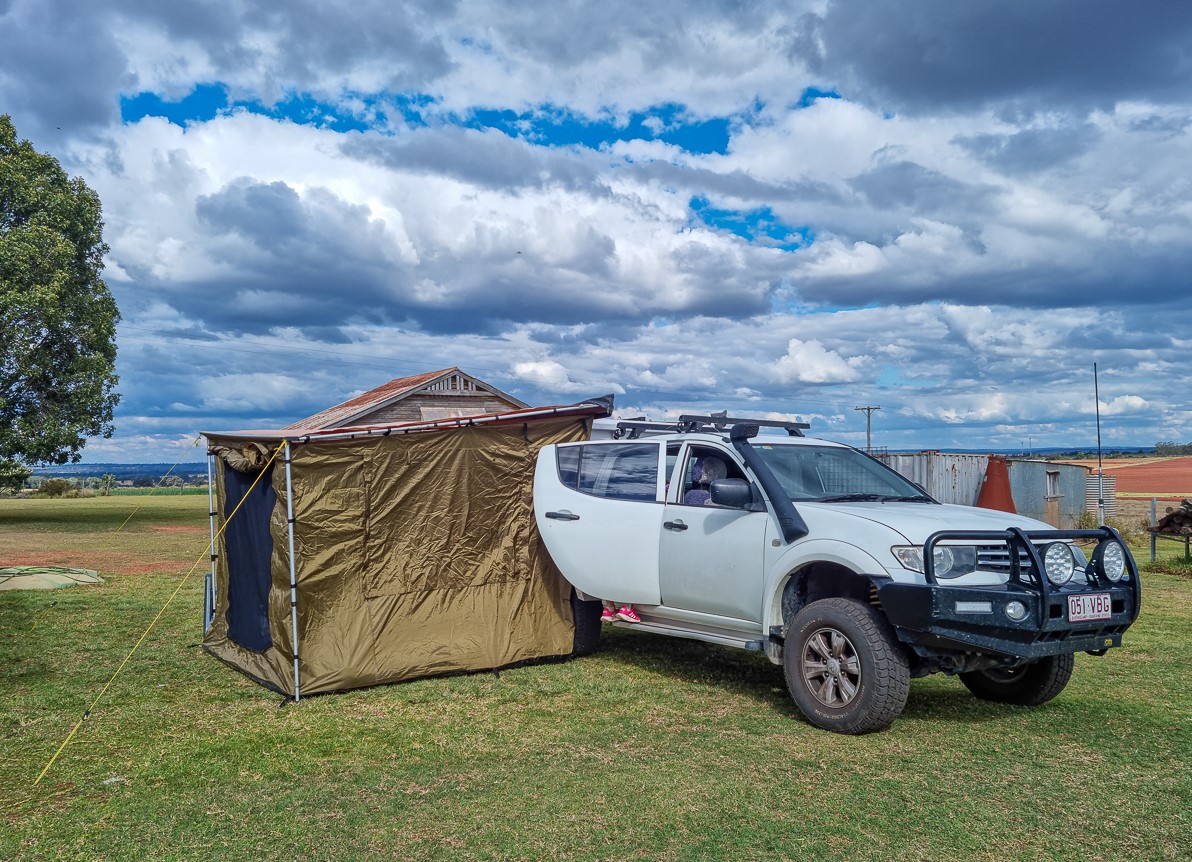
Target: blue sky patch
547, 126
557, 128
304, 110
759, 226
813, 94
203, 103
890, 376
208, 101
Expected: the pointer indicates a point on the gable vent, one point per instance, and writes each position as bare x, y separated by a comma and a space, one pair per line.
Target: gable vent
452, 383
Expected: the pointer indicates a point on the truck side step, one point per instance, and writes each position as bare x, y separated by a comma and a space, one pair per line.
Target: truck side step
708, 636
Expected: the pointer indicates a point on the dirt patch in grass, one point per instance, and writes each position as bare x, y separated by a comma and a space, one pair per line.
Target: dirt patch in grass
104, 562
163, 536
48, 558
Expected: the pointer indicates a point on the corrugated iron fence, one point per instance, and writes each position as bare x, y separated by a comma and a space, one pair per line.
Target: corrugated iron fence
950, 478
1090, 493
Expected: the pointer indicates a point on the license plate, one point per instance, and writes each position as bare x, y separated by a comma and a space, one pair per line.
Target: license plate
1089, 606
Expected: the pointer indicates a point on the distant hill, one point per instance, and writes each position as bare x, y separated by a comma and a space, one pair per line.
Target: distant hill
138, 474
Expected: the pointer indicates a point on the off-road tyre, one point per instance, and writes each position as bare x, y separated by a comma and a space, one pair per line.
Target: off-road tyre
1030, 684
587, 625
869, 658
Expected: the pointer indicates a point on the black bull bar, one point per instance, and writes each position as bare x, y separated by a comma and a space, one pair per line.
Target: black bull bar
936, 615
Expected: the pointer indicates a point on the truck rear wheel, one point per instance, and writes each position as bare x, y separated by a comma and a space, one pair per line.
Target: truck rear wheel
1029, 684
587, 625
844, 668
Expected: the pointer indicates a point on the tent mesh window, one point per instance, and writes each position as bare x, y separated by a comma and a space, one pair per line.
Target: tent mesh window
249, 551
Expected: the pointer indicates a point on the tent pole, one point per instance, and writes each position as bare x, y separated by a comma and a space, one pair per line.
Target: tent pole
293, 577
209, 591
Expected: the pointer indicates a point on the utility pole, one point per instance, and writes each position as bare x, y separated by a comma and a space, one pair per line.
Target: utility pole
868, 425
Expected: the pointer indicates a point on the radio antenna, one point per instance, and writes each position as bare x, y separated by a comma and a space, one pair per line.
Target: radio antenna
1100, 471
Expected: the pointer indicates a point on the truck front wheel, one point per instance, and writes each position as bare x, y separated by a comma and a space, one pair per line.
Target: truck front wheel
1029, 684
844, 668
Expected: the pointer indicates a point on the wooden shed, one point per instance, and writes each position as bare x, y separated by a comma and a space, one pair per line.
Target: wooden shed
446, 394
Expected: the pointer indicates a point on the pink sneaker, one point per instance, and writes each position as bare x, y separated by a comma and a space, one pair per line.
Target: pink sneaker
608, 615
628, 614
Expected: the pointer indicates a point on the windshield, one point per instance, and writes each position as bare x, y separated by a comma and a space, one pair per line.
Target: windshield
835, 474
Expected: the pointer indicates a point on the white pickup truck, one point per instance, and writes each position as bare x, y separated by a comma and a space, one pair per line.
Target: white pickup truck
845, 573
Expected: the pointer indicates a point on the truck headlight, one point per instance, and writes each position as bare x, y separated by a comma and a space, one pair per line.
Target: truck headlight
911, 557
950, 561
1110, 560
1058, 563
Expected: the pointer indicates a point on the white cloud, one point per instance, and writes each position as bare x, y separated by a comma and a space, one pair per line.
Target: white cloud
551, 376
811, 362
248, 392
1123, 404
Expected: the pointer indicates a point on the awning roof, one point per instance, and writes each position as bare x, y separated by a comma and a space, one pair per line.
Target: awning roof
594, 407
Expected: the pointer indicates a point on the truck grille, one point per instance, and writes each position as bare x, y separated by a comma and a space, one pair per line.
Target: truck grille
996, 558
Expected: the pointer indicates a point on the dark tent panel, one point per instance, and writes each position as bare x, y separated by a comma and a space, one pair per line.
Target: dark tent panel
249, 550
415, 551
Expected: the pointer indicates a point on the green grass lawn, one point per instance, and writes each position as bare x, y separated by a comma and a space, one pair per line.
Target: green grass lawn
650, 749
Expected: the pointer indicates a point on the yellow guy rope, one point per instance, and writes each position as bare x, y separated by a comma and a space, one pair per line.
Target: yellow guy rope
181, 584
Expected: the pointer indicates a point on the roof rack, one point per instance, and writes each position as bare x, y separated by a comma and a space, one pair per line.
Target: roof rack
715, 423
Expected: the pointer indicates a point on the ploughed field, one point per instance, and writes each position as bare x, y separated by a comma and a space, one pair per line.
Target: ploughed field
1163, 478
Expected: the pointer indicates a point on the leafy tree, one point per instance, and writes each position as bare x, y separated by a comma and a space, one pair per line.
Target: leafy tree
55, 487
58, 319
13, 475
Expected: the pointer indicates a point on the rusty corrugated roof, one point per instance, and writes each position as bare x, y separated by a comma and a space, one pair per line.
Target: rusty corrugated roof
384, 395
334, 417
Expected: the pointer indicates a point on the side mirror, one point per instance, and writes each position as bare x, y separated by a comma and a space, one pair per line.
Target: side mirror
732, 493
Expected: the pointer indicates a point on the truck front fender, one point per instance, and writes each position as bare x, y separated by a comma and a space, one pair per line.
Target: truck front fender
803, 554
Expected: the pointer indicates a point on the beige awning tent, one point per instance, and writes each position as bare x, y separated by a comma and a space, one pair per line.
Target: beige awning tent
394, 552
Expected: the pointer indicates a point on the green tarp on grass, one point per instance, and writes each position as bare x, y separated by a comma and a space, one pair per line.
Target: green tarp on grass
45, 577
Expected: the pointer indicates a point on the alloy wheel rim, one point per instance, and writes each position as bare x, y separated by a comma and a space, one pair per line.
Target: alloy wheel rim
831, 667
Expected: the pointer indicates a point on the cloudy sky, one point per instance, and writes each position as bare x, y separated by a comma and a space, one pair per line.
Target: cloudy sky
948, 210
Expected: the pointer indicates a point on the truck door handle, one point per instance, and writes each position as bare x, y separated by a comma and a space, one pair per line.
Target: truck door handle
562, 515
676, 525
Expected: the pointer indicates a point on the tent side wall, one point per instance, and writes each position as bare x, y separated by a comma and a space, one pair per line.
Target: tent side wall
415, 555
268, 666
